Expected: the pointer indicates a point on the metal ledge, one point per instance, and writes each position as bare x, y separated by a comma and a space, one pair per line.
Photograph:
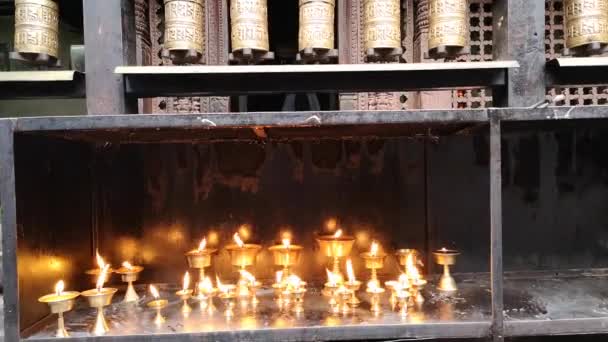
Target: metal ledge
577, 71
42, 84
550, 113
201, 80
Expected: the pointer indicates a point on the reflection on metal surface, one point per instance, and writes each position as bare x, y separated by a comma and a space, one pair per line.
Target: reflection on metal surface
381, 24
249, 25
586, 22
474, 305
448, 23
37, 27
316, 24
184, 22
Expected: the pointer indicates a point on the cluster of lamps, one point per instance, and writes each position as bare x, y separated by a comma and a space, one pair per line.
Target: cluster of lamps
289, 288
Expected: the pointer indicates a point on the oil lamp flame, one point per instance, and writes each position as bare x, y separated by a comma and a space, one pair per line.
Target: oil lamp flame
59, 287
237, 240
443, 249
248, 276
223, 288
202, 245
374, 249
286, 243
338, 233
403, 282
332, 278
154, 292
101, 278
372, 285
127, 265
206, 285
350, 272
100, 261
186, 282
279, 277
294, 282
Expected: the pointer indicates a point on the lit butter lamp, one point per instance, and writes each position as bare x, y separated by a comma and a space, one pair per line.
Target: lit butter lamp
157, 304
249, 288
206, 289
129, 274
95, 272
60, 302
227, 294
200, 259
331, 290
294, 292
184, 294
374, 260
335, 247
98, 298
374, 290
395, 286
285, 255
353, 285
446, 257
417, 282
279, 287
402, 294
242, 255
405, 254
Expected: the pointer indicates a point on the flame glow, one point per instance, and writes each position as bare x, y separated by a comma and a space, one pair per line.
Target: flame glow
127, 265
294, 282
202, 245
100, 261
279, 277
59, 287
444, 250
237, 240
332, 279
350, 272
154, 292
101, 278
373, 285
206, 285
247, 276
286, 243
338, 233
373, 251
223, 288
403, 283
411, 269
186, 282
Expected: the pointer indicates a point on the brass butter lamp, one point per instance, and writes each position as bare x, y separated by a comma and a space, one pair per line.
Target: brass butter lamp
129, 274
59, 302
95, 272
158, 304
285, 255
335, 247
200, 259
184, 294
99, 298
446, 258
374, 260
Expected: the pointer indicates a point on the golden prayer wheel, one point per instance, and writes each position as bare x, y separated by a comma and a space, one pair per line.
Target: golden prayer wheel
586, 22
249, 25
37, 27
184, 25
316, 24
381, 21
448, 23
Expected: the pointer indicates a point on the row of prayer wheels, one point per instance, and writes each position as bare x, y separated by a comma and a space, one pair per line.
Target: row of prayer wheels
37, 26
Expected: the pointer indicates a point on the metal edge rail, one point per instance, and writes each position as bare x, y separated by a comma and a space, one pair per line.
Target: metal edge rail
42, 84
543, 327
577, 71
550, 113
151, 81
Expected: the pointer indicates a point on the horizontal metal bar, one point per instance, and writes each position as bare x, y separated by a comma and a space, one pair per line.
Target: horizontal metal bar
595, 325
257, 119
42, 84
339, 333
150, 81
550, 113
577, 71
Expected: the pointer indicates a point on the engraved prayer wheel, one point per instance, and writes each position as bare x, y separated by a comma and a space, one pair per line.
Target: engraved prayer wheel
586, 22
37, 27
381, 21
448, 23
316, 24
249, 25
184, 25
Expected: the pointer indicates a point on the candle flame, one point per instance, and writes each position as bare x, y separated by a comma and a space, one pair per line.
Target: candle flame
186, 283
100, 262
411, 269
202, 245
374, 249
332, 278
127, 265
444, 249
294, 282
101, 278
279, 277
247, 276
59, 287
154, 292
338, 233
373, 285
206, 285
403, 282
223, 288
286, 243
350, 272
237, 240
